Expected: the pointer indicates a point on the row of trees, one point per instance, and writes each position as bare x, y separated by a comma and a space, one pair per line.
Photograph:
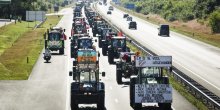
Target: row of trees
19, 7
180, 9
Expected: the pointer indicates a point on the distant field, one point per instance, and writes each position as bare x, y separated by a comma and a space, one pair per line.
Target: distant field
20, 43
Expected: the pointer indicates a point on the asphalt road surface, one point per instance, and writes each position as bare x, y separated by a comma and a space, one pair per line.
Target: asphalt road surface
198, 60
48, 87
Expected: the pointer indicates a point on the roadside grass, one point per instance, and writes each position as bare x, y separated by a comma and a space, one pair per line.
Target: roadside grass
10, 33
176, 85
212, 39
16, 62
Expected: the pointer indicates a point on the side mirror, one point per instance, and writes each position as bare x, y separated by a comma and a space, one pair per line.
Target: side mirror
95, 40
64, 30
98, 54
69, 37
74, 63
70, 73
103, 74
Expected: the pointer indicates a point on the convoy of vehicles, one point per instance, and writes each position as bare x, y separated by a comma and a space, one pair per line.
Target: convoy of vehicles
148, 84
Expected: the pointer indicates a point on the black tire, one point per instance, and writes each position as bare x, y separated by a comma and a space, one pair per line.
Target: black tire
100, 44
138, 106
119, 76
110, 58
73, 104
164, 106
61, 51
104, 50
131, 89
45, 44
101, 102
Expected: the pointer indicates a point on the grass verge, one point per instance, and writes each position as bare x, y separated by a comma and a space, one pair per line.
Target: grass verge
176, 85
13, 61
212, 39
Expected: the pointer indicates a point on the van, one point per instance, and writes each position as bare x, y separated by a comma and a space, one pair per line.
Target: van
164, 30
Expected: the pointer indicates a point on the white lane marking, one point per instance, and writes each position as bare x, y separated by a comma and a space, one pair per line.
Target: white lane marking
116, 100
197, 75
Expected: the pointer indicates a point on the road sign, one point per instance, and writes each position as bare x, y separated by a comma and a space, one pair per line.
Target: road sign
130, 6
154, 61
35, 15
5, 2
153, 93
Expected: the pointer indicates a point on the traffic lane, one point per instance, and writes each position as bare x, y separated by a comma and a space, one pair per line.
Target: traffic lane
177, 97
193, 52
44, 90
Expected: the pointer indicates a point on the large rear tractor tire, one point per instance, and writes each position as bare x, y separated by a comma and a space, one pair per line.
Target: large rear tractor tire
119, 76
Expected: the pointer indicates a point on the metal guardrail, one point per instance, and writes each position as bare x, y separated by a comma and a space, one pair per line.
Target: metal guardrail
211, 100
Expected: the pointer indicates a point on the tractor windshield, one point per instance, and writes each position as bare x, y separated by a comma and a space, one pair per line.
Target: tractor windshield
85, 43
118, 43
150, 72
87, 76
54, 37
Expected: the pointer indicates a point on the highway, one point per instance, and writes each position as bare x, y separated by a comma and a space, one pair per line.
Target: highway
198, 60
48, 87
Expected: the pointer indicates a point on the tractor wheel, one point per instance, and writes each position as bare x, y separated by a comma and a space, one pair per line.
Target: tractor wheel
138, 106
61, 51
45, 44
119, 76
104, 51
110, 58
100, 44
164, 106
74, 105
131, 89
101, 102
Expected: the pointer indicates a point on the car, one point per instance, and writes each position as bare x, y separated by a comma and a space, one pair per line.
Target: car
109, 12
111, 8
129, 18
132, 25
164, 30
125, 15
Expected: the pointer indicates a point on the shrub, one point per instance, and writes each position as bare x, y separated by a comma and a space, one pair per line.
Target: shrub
214, 21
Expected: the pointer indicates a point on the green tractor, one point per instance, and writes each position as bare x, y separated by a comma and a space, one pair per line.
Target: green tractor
151, 85
87, 88
54, 40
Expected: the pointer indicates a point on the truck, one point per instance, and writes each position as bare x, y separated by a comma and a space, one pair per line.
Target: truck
151, 85
87, 88
54, 40
125, 67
